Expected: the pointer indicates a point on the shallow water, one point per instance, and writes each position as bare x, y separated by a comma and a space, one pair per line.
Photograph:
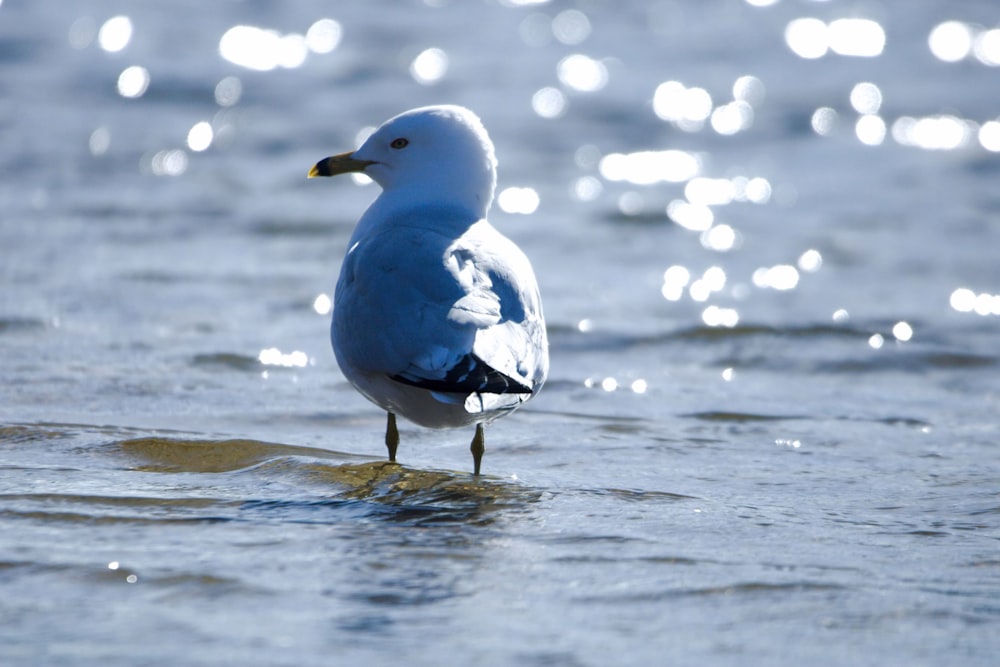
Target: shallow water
790, 457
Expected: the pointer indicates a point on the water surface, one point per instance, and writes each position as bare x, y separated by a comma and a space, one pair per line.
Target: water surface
770, 433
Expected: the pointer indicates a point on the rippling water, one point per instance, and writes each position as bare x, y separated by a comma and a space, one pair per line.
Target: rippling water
766, 234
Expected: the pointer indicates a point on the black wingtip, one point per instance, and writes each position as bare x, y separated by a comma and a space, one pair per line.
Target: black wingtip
471, 375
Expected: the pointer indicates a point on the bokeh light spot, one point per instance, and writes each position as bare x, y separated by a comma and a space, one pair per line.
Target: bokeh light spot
133, 81
987, 47
857, 37
866, 98
950, 41
173, 162
200, 136
695, 217
720, 238
902, 331
807, 38
100, 141
582, 73
810, 261
571, 26
323, 304
549, 102
731, 118
429, 66
749, 89
716, 316
518, 200
115, 34
781, 277
228, 91
649, 167
323, 36
587, 188
823, 121
989, 136
272, 356
870, 130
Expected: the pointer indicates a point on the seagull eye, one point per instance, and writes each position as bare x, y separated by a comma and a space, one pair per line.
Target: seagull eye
400, 143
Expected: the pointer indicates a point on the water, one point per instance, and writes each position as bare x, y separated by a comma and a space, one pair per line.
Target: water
789, 457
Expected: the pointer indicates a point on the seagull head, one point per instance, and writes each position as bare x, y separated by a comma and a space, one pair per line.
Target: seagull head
438, 154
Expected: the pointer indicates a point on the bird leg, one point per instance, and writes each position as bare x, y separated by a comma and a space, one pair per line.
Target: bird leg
391, 436
478, 447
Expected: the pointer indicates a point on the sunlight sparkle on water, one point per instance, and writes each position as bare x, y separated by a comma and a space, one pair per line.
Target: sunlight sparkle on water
732, 118
857, 37
200, 136
587, 188
695, 217
262, 50
687, 108
518, 200
100, 141
866, 98
749, 89
823, 120
631, 203
902, 331
987, 47
714, 316
323, 36
133, 81
272, 356
950, 41
712, 280
757, 190
582, 73
870, 130
323, 304
549, 102
675, 279
171, 162
964, 300
115, 34
807, 38
810, 261
715, 278
571, 26
710, 191
649, 167
811, 38
944, 132
989, 136
953, 41
780, 277
429, 66
228, 91
788, 442
720, 238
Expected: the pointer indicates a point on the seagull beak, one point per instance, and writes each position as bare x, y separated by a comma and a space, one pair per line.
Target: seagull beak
344, 163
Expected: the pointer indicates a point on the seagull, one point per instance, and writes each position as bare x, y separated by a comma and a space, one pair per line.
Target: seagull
437, 316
